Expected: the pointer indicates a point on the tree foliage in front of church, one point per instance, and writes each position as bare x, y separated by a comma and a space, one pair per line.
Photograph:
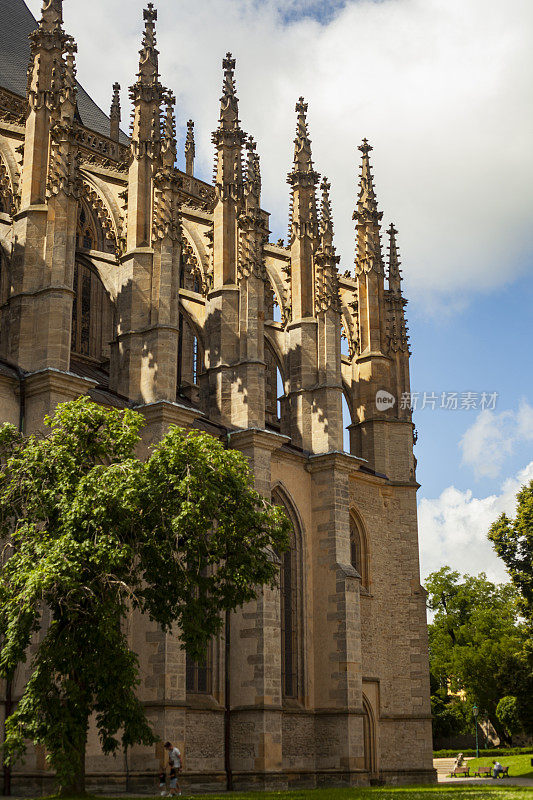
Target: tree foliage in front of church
93, 535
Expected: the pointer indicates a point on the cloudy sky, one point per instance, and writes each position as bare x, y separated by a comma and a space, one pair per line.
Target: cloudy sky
442, 89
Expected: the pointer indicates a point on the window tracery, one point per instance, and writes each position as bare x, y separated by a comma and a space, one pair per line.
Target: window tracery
290, 609
359, 551
92, 314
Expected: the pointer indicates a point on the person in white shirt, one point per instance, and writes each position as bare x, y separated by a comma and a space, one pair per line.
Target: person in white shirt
497, 769
174, 762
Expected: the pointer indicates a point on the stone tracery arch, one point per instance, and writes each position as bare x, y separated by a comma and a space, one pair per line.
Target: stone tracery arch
7, 188
108, 224
359, 550
92, 325
280, 290
292, 630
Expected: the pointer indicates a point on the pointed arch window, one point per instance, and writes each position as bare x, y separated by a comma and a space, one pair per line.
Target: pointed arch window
199, 674
289, 622
359, 550
86, 235
190, 360
92, 314
290, 609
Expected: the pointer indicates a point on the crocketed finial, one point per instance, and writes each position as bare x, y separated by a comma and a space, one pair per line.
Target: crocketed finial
326, 220
302, 142
150, 17
395, 275
51, 15
253, 172
148, 62
190, 148
229, 106
114, 114
169, 131
368, 218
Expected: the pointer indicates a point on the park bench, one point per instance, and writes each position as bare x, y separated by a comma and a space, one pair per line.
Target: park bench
483, 772
505, 773
463, 772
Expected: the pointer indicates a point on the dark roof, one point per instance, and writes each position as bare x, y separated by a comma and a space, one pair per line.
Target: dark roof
16, 24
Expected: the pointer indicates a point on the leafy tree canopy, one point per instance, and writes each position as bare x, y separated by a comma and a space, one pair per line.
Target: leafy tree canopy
476, 642
513, 542
93, 533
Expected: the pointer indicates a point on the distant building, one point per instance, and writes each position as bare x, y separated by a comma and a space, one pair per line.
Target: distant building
136, 283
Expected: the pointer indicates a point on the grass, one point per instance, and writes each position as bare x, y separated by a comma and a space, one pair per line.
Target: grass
497, 792
519, 766
492, 751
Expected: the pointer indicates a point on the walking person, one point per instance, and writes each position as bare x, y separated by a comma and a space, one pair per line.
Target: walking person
174, 762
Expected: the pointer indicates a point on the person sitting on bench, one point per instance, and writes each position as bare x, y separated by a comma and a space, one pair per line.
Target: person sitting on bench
497, 769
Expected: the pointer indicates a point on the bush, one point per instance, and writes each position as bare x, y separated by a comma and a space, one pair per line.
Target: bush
490, 751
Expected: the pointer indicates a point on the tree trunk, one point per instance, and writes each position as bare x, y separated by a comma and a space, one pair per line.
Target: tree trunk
76, 786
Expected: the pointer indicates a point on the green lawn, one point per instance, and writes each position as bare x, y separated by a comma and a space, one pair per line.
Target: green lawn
497, 792
519, 766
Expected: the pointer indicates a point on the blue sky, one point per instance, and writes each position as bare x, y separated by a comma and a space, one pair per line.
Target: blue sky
484, 347
441, 88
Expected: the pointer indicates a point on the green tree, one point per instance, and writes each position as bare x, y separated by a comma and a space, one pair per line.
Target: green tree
476, 641
513, 542
450, 716
508, 712
92, 532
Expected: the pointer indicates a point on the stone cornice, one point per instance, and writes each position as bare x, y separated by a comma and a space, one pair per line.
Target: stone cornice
371, 355
167, 412
296, 323
257, 437
334, 460
51, 379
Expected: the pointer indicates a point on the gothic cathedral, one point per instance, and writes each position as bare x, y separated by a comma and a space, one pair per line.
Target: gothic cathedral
140, 285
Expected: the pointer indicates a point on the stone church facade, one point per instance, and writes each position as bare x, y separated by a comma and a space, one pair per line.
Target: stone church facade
136, 283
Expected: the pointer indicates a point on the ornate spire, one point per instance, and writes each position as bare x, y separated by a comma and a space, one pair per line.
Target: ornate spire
303, 164
303, 179
229, 138
70, 90
229, 104
395, 275
327, 279
168, 148
147, 92
368, 219
397, 332
253, 174
190, 149
326, 221
148, 62
114, 114
47, 70
253, 231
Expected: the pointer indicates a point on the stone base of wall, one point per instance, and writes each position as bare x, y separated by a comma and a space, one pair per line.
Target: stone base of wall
42, 784
407, 777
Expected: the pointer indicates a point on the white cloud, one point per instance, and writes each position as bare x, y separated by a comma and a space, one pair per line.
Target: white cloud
453, 528
493, 437
438, 87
